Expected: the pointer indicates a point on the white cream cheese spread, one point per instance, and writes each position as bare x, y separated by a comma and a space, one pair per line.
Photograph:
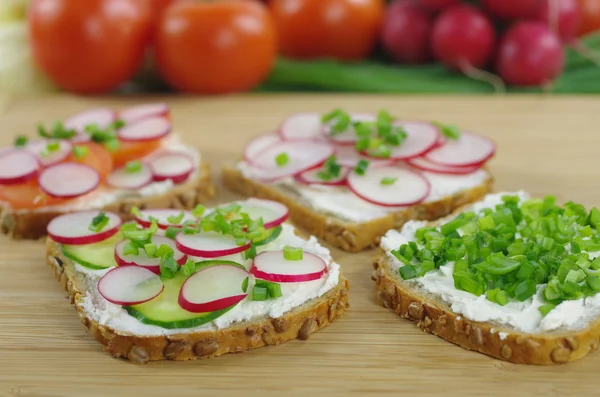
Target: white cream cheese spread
342, 203
522, 316
293, 294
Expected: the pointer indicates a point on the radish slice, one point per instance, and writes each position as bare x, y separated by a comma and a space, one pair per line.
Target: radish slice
421, 138
349, 136
272, 266
122, 179
301, 155
148, 129
152, 264
17, 166
68, 180
469, 150
301, 126
130, 285
311, 177
408, 187
172, 165
208, 244
213, 288
39, 148
140, 112
101, 117
266, 175
347, 156
73, 228
426, 165
272, 213
162, 217
256, 145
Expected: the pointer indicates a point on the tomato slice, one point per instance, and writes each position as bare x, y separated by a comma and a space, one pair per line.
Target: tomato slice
96, 157
28, 195
130, 151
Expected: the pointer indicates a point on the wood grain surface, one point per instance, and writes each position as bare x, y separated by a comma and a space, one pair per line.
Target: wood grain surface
546, 145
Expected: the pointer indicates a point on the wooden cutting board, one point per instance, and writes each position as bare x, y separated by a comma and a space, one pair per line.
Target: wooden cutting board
546, 146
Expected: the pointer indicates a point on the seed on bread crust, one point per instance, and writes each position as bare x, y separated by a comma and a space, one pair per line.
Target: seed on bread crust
308, 327
560, 355
506, 351
206, 347
174, 349
415, 310
280, 324
138, 355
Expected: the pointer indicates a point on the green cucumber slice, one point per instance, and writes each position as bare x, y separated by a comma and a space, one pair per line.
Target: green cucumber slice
95, 256
268, 236
164, 310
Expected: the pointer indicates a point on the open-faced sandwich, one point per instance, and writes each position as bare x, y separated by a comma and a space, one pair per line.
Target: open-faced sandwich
348, 178
98, 159
511, 277
182, 285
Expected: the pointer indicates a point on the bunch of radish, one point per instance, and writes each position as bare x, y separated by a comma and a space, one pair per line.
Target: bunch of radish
521, 40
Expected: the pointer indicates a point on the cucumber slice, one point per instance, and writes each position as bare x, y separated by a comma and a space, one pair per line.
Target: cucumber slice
164, 310
268, 236
213, 262
95, 256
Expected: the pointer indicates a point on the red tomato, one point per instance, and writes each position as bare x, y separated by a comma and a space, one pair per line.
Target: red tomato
27, 195
97, 157
342, 29
129, 151
215, 47
89, 46
590, 16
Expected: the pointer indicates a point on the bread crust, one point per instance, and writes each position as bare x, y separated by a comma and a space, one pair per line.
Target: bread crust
349, 236
25, 224
298, 323
436, 317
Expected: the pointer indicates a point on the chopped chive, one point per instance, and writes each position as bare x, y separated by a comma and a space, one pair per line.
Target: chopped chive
21, 141
388, 181
189, 268
259, 293
292, 253
168, 265
99, 222
151, 250
198, 211
130, 249
133, 167
172, 232
112, 145
80, 152
164, 251
546, 308
176, 219
448, 130
250, 253
408, 271
361, 166
53, 146
282, 159
274, 290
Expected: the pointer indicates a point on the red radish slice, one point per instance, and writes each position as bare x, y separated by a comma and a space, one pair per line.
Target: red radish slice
17, 166
421, 138
148, 129
349, 136
272, 213
426, 165
39, 148
68, 180
140, 112
347, 156
256, 145
130, 285
469, 150
408, 188
311, 177
266, 175
122, 179
162, 217
302, 155
101, 117
301, 126
208, 244
172, 165
272, 266
73, 228
152, 264
213, 288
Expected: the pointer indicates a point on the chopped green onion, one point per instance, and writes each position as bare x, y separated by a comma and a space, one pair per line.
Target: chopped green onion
245, 284
21, 141
172, 232
99, 222
408, 271
80, 152
448, 130
250, 253
595, 217
168, 265
331, 169
58, 131
388, 181
189, 268
151, 250
130, 249
176, 219
499, 265
133, 167
361, 166
292, 253
164, 251
274, 290
112, 145
546, 308
198, 211
282, 159
259, 293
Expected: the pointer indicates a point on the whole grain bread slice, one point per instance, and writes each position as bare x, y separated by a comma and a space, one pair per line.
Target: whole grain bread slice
298, 323
350, 236
434, 315
31, 224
